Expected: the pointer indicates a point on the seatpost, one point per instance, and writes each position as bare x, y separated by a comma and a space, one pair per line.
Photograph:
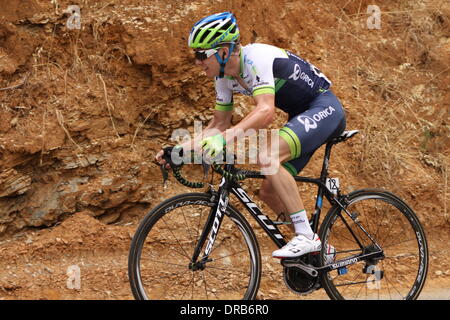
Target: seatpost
326, 160
323, 177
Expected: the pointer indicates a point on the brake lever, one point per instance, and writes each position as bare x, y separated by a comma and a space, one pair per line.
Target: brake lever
165, 175
167, 158
205, 169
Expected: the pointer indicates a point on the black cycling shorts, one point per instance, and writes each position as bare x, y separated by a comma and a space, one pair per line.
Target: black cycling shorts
307, 131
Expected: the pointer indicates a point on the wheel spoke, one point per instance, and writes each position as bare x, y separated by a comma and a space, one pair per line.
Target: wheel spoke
176, 238
230, 255
236, 272
161, 254
395, 228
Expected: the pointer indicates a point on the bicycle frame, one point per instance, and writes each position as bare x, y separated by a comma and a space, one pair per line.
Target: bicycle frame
217, 213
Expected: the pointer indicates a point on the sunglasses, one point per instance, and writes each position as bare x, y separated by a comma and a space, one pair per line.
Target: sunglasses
205, 54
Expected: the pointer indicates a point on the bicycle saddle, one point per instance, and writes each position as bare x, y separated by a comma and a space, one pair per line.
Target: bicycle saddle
344, 136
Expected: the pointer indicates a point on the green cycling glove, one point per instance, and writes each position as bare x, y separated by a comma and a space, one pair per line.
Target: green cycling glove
213, 145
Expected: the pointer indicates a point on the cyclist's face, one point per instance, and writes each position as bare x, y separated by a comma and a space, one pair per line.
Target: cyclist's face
210, 65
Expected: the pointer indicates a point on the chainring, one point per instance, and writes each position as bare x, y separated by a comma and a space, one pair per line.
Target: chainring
299, 281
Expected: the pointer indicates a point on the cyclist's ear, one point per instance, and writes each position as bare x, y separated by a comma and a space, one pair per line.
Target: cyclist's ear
225, 52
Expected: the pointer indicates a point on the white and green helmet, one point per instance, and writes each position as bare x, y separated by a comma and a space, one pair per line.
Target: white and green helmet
213, 30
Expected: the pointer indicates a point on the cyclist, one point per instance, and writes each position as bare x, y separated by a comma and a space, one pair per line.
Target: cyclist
273, 77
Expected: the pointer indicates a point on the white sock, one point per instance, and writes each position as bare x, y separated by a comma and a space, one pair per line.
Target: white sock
301, 223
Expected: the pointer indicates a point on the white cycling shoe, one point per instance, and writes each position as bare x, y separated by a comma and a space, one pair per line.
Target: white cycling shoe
298, 246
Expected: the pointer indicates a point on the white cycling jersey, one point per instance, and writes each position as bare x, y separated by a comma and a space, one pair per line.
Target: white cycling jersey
269, 69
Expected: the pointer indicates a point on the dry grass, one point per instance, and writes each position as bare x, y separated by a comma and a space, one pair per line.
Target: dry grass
108, 104
60, 118
394, 129
140, 127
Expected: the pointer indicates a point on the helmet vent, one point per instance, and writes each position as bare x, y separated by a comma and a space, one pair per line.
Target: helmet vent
204, 35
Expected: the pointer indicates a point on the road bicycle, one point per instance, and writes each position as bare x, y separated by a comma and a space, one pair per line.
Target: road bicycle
200, 246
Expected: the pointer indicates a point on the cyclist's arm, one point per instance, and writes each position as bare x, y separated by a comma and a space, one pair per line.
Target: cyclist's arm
220, 122
222, 114
260, 117
263, 92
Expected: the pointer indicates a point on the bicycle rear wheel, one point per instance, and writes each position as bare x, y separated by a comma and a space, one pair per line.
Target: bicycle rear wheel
391, 223
163, 245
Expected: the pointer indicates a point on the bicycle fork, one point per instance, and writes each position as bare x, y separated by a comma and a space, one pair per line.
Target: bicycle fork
211, 229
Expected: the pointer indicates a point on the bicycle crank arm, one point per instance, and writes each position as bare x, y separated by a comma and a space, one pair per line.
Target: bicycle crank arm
300, 265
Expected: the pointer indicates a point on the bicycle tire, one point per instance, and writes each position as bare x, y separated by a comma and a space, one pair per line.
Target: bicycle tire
395, 272
234, 231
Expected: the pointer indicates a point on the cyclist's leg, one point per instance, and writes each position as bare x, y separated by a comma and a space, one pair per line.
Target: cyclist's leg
268, 195
304, 139
307, 131
304, 134
278, 179
285, 188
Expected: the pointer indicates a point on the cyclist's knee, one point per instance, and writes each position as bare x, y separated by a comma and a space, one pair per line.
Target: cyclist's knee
263, 158
269, 164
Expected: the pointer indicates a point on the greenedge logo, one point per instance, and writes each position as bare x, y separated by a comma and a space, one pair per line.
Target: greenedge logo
223, 37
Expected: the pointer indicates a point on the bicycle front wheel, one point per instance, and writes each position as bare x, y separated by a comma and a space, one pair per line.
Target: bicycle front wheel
391, 223
163, 245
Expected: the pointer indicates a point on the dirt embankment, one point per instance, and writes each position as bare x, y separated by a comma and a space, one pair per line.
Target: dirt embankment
83, 112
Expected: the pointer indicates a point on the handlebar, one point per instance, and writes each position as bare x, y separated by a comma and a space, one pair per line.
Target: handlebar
176, 169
